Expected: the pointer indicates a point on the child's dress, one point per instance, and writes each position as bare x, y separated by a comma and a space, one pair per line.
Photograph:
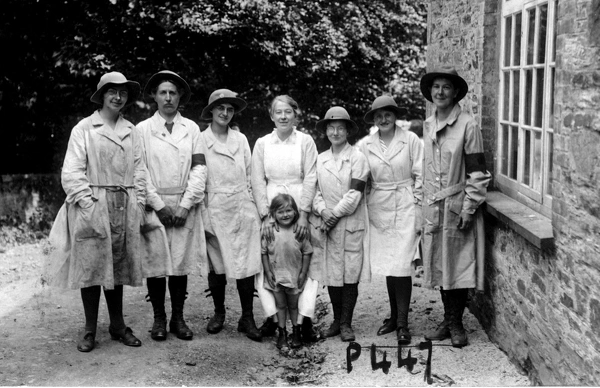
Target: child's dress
285, 256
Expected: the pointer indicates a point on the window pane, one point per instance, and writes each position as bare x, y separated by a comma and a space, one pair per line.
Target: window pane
514, 151
530, 35
516, 85
550, 146
550, 122
504, 154
541, 58
507, 95
517, 38
507, 40
539, 93
528, 94
527, 162
536, 182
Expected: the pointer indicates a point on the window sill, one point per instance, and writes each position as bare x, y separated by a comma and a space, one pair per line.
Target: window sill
531, 225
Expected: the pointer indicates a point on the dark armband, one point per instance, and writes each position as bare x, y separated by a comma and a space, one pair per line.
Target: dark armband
475, 162
358, 185
198, 159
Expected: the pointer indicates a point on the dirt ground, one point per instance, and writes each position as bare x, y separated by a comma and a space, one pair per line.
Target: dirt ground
40, 326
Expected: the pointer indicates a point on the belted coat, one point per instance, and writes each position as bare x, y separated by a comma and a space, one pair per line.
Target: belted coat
95, 239
455, 180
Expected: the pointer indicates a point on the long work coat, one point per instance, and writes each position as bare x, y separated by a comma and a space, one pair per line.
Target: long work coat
340, 186
231, 219
95, 238
177, 176
455, 180
393, 201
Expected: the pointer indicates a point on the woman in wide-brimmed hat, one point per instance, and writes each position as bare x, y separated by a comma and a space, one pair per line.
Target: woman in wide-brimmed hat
455, 183
284, 161
231, 221
97, 231
394, 156
172, 233
342, 173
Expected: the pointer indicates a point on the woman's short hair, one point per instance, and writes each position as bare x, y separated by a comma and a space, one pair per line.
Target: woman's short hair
285, 99
282, 200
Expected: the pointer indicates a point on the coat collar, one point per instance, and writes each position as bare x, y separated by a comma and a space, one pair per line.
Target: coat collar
160, 131
290, 140
329, 162
123, 126
228, 149
398, 143
431, 120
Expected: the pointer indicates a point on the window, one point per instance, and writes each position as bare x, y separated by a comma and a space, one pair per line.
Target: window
525, 125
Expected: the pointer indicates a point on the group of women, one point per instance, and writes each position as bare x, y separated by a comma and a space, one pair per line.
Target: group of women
156, 200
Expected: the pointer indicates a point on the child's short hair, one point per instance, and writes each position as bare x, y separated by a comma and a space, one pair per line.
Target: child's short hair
282, 200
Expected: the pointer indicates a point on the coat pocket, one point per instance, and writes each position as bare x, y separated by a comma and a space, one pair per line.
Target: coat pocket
455, 203
90, 222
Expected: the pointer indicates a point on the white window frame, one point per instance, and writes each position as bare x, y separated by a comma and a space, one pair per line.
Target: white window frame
539, 198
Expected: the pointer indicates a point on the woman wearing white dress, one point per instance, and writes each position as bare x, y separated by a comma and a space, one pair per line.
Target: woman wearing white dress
284, 161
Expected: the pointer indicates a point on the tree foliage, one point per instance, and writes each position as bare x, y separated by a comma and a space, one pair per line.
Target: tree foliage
320, 52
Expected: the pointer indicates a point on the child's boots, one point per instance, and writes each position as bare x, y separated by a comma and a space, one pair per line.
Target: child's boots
282, 340
296, 336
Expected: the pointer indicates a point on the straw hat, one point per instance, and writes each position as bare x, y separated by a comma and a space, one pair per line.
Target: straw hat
337, 113
382, 102
222, 96
115, 78
447, 73
167, 75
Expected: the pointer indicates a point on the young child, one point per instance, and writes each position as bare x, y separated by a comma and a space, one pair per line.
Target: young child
286, 263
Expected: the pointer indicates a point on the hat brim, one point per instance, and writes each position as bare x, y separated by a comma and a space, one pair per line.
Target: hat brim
237, 103
322, 125
458, 81
397, 111
159, 77
132, 87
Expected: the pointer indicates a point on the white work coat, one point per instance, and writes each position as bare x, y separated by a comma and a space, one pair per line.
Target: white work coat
340, 187
230, 215
177, 176
95, 239
453, 258
393, 200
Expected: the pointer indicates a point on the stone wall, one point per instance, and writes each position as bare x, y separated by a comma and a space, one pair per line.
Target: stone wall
541, 307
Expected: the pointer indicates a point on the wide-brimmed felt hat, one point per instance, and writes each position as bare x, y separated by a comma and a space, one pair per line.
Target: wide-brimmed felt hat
447, 73
382, 102
167, 75
223, 96
115, 78
337, 113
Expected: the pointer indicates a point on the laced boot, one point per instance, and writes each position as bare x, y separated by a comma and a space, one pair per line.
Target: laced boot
156, 295
216, 286
268, 328
457, 300
389, 324
335, 294
177, 325
246, 323
296, 337
87, 343
349, 296
403, 289
307, 332
282, 339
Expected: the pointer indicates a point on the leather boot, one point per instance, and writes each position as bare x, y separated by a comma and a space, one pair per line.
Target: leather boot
442, 332
296, 341
335, 295
177, 325
349, 296
268, 328
246, 323
457, 300
282, 339
156, 295
389, 324
216, 286
403, 290
87, 343
90, 297
307, 332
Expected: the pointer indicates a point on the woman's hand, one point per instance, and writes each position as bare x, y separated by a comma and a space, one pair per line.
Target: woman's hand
465, 220
301, 226
165, 215
270, 277
301, 279
329, 219
180, 216
266, 229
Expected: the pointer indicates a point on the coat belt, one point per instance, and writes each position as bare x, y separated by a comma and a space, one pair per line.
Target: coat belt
391, 186
226, 189
171, 190
445, 193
